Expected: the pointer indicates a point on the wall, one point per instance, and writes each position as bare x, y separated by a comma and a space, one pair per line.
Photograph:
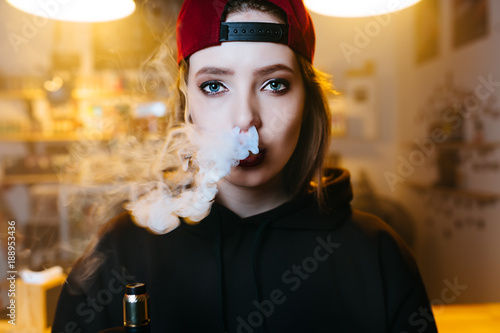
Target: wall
457, 234
28, 43
25, 43
345, 44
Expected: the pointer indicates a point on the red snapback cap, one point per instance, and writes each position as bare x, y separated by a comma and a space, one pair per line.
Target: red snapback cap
199, 26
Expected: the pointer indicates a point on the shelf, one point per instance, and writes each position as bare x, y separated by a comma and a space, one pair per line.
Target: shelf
480, 196
469, 145
462, 145
99, 94
77, 94
30, 179
39, 137
23, 94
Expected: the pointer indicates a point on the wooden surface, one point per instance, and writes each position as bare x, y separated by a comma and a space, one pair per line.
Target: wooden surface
470, 318
31, 307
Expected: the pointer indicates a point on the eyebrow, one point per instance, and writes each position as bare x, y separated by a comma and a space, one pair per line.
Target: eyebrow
214, 71
258, 72
271, 69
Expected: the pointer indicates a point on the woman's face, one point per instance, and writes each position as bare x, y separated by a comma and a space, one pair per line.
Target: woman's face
249, 84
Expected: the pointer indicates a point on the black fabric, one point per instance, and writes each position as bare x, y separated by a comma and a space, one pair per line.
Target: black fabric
291, 269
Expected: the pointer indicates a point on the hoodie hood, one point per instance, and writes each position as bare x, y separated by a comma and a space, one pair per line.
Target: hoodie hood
338, 197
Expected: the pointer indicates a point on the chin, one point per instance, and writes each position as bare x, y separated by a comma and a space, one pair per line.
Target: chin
250, 177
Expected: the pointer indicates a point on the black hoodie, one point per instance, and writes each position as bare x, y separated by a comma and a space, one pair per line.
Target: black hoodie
290, 269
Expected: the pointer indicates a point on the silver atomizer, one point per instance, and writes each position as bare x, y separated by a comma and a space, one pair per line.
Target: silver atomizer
136, 309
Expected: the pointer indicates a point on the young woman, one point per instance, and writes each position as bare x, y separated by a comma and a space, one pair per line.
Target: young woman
281, 250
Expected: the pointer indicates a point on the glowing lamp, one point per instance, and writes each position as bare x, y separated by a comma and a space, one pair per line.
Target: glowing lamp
77, 10
357, 8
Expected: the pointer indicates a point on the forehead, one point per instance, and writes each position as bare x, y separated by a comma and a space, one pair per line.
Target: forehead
243, 56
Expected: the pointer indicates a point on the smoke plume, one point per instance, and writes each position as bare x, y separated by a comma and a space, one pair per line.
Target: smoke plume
190, 166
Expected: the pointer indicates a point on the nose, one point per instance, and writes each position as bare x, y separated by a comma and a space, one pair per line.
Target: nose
247, 112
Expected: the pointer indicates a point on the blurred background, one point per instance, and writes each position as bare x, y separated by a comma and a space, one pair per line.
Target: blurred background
416, 121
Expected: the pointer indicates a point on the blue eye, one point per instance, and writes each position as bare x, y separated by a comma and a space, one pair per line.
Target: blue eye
276, 86
212, 87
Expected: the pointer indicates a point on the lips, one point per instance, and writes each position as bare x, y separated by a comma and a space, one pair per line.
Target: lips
253, 160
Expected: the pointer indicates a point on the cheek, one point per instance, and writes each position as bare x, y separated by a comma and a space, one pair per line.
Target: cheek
282, 123
293, 130
202, 113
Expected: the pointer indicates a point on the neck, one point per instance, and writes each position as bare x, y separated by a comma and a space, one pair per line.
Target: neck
248, 201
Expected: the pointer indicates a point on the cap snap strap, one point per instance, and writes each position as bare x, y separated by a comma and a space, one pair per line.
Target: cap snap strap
254, 32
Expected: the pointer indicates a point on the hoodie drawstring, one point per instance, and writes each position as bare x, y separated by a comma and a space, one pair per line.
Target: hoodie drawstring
218, 256
255, 267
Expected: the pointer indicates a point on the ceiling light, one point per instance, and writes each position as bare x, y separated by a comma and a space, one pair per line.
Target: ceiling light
77, 10
357, 8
